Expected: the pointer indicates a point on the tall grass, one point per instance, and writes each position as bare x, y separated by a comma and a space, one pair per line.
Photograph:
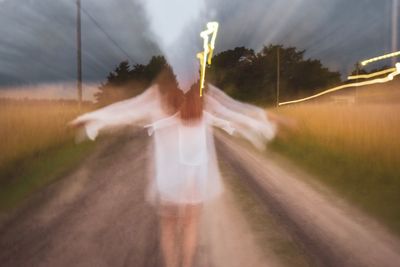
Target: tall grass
36, 146
31, 127
355, 149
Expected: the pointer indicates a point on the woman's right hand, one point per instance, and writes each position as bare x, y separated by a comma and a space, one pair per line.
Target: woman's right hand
150, 129
79, 124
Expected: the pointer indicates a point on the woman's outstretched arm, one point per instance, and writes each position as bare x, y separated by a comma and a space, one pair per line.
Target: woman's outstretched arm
218, 122
161, 124
256, 129
131, 111
246, 109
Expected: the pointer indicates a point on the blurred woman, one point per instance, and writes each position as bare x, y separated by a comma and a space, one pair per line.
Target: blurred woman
184, 171
187, 174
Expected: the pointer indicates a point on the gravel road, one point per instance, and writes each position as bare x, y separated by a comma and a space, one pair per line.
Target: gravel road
97, 216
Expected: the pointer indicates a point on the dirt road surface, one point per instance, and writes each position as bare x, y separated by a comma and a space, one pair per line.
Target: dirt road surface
331, 231
97, 215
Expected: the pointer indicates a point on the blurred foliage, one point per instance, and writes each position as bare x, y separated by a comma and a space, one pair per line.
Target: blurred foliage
240, 72
127, 81
252, 77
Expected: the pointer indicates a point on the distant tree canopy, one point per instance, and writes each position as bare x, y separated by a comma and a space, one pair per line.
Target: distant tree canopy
126, 81
252, 77
240, 72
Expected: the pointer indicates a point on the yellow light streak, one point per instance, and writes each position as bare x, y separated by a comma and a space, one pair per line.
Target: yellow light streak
394, 54
201, 57
388, 78
371, 75
214, 28
208, 46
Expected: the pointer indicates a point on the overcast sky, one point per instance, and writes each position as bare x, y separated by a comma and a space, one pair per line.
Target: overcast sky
37, 37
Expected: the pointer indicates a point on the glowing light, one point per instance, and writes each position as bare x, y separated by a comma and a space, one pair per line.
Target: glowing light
371, 75
208, 46
394, 54
388, 78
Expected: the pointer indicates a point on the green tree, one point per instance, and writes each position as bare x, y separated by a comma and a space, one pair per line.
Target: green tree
240, 72
252, 77
125, 82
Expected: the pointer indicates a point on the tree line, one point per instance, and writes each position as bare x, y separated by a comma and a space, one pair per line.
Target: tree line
241, 72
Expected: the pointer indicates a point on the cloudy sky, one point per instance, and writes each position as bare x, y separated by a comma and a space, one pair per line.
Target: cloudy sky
37, 37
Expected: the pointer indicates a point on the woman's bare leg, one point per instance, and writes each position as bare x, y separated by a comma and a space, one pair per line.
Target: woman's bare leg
169, 240
189, 231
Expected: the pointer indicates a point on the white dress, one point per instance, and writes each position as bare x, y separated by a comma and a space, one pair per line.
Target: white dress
186, 170
184, 167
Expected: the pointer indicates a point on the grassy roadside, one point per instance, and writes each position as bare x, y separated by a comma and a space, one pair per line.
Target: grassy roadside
32, 173
36, 146
352, 151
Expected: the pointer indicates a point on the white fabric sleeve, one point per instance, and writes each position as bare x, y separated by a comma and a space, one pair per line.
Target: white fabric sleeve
218, 122
127, 112
241, 121
161, 124
237, 106
249, 121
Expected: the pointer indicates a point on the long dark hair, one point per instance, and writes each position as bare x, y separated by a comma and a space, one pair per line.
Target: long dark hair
171, 95
192, 105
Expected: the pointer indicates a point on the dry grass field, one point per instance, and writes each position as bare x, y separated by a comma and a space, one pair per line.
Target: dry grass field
355, 149
369, 131
36, 145
30, 127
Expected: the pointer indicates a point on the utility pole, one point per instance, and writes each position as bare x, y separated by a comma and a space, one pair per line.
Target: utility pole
395, 13
356, 88
278, 74
79, 52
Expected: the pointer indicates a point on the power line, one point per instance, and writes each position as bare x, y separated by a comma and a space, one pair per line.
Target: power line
106, 34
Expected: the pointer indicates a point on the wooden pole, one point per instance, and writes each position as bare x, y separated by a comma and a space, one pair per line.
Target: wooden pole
356, 88
278, 75
79, 52
395, 14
